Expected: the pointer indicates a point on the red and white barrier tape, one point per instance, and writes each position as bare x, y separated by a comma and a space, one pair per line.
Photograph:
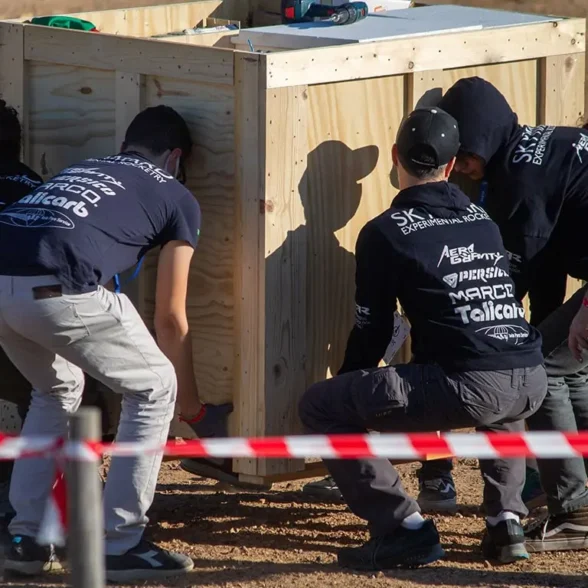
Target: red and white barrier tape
389, 446
546, 445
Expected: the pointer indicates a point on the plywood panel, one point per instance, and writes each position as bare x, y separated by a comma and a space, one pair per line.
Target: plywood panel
516, 80
352, 127
71, 115
208, 109
27, 8
158, 20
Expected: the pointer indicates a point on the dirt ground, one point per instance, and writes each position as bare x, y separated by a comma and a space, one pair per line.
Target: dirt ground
281, 539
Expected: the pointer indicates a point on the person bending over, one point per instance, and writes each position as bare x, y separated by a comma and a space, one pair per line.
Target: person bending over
59, 245
477, 362
537, 193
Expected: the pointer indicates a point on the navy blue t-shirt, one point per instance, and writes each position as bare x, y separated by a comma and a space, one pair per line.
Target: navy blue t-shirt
94, 220
16, 180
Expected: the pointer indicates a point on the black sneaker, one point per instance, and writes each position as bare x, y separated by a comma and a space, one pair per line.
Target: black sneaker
26, 557
146, 562
326, 489
217, 469
559, 532
403, 548
437, 495
504, 542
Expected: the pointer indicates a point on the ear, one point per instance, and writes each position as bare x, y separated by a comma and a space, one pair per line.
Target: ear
449, 168
395, 155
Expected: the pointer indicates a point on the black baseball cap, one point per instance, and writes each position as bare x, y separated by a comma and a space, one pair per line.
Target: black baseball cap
428, 138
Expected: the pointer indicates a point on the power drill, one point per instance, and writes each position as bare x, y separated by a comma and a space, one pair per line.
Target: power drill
295, 11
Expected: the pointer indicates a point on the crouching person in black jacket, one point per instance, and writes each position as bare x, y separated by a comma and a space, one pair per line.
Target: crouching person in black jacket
477, 362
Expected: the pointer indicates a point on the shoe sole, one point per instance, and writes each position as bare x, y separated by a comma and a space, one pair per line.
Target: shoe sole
418, 558
438, 506
512, 553
323, 493
125, 576
32, 568
561, 545
210, 472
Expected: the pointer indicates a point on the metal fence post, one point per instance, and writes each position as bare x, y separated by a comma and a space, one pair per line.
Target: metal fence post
84, 503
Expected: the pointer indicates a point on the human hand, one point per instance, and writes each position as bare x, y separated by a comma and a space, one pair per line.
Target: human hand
212, 421
578, 335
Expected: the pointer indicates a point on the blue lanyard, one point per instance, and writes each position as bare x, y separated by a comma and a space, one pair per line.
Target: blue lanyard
483, 193
117, 285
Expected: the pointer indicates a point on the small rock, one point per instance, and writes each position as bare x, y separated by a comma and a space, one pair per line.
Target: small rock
233, 530
381, 575
487, 564
459, 515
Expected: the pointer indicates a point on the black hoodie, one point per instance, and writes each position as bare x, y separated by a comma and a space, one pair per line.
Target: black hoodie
537, 189
442, 258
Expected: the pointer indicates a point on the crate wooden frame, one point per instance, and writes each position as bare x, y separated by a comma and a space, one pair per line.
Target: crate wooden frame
254, 117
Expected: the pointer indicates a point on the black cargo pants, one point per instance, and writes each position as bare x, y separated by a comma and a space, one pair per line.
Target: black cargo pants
421, 398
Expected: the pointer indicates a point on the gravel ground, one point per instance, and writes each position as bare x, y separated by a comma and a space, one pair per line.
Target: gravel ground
280, 539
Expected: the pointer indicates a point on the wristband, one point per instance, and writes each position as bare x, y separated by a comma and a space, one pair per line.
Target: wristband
195, 419
585, 302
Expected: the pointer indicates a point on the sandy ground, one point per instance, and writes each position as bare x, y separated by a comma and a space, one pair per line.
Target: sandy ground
281, 539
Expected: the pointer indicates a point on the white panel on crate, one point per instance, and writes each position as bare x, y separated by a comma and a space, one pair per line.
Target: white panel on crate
392, 24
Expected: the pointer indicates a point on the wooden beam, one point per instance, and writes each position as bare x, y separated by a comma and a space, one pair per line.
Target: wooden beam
13, 87
142, 56
29, 8
561, 102
549, 7
249, 281
129, 102
286, 148
453, 50
560, 85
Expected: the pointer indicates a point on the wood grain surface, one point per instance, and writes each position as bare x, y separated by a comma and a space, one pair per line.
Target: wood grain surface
28, 8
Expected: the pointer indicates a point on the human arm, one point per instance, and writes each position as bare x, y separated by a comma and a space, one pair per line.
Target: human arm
375, 301
578, 334
172, 332
547, 285
171, 321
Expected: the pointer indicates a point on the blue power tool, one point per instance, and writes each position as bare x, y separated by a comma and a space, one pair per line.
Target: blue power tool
297, 11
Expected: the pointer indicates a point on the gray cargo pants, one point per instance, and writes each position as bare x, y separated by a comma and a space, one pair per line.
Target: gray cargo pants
51, 341
416, 397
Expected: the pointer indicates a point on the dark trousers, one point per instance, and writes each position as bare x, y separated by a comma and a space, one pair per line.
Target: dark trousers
412, 398
565, 408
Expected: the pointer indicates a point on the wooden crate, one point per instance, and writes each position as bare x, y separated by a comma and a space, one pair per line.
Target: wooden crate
292, 157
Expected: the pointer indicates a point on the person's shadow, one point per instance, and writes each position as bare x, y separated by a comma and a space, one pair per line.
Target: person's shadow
330, 192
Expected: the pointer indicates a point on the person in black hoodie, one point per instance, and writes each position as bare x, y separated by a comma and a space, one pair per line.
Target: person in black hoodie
536, 182
477, 362
16, 180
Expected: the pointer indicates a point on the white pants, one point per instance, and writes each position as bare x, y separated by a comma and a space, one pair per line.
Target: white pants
51, 341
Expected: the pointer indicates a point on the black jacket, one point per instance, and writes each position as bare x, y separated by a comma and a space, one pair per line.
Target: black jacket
442, 258
537, 190
16, 181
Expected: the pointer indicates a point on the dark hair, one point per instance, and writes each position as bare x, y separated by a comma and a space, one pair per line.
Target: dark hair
158, 129
10, 133
422, 172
